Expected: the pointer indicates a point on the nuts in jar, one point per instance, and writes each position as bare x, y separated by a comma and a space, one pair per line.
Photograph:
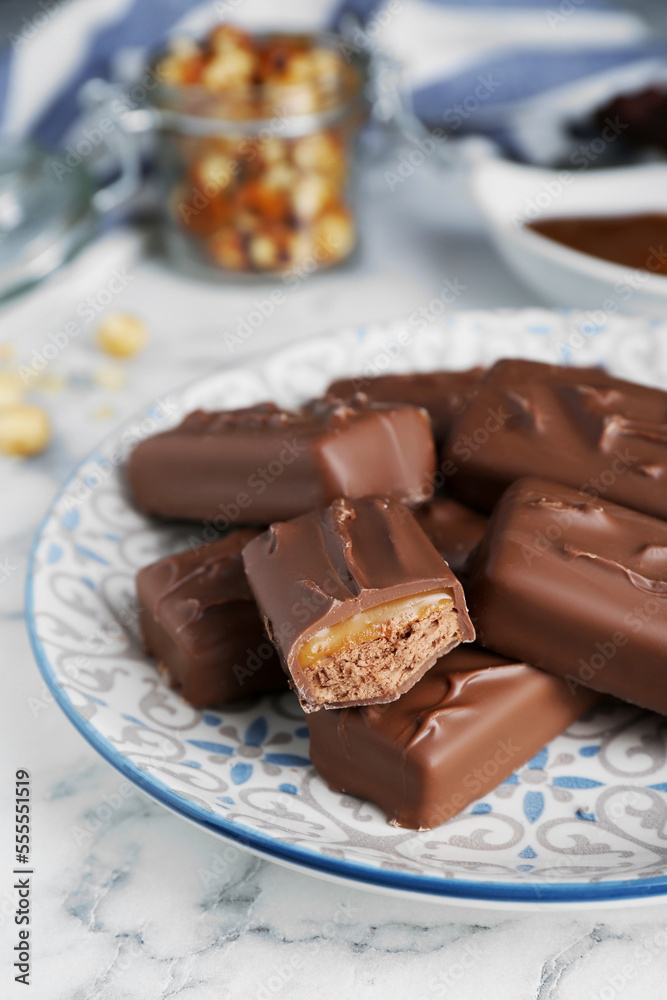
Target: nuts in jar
257, 150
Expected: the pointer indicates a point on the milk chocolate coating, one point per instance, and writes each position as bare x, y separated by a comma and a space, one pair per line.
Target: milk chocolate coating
471, 721
200, 621
330, 564
578, 426
455, 530
578, 587
443, 394
262, 464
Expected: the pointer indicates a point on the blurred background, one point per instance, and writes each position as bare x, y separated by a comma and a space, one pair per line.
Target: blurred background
180, 185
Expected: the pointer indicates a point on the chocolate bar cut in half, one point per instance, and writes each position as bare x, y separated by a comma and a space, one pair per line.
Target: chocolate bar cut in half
357, 600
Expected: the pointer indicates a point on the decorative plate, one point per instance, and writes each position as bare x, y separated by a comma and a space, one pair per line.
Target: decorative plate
582, 823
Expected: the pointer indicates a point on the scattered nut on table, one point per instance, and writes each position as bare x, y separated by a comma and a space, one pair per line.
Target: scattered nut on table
24, 430
111, 377
12, 389
121, 335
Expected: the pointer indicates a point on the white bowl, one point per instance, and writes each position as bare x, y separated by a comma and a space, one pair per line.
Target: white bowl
510, 195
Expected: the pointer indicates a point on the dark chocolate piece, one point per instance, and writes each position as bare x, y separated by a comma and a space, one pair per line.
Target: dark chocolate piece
358, 601
468, 724
200, 621
455, 530
262, 464
442, 394
579, 426
578, 587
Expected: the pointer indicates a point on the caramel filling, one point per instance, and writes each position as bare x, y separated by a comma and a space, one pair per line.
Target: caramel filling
374, 623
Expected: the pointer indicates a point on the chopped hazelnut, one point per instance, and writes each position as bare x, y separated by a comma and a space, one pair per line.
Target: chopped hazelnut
265, 252
228, 69
281, 175
214, 172
110, 377
12, 389
273, 150
334, 231
226, 248
24, 430
121, 335
319, 151
311, 195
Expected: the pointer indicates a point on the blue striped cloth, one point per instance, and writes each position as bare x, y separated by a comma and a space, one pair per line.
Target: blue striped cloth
517, 71
510, 69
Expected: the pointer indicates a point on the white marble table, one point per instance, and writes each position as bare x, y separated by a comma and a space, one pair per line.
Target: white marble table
132, 902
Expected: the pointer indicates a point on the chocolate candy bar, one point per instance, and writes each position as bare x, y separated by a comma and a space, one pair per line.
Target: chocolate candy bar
455, 530
578, 587
200, 621
262, 464
357, 600
442, 394
579, 426
471, 721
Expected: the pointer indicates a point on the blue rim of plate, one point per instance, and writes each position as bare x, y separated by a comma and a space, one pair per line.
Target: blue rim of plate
534, 893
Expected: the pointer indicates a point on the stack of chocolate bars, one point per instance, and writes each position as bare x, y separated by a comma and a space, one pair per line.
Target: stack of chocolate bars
447, 568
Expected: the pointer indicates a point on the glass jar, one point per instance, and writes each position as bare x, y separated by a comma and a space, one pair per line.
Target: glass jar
255, 151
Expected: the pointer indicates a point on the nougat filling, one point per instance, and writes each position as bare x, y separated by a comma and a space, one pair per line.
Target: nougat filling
382, 622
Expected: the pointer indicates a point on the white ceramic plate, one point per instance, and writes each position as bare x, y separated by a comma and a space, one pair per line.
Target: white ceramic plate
581, 824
